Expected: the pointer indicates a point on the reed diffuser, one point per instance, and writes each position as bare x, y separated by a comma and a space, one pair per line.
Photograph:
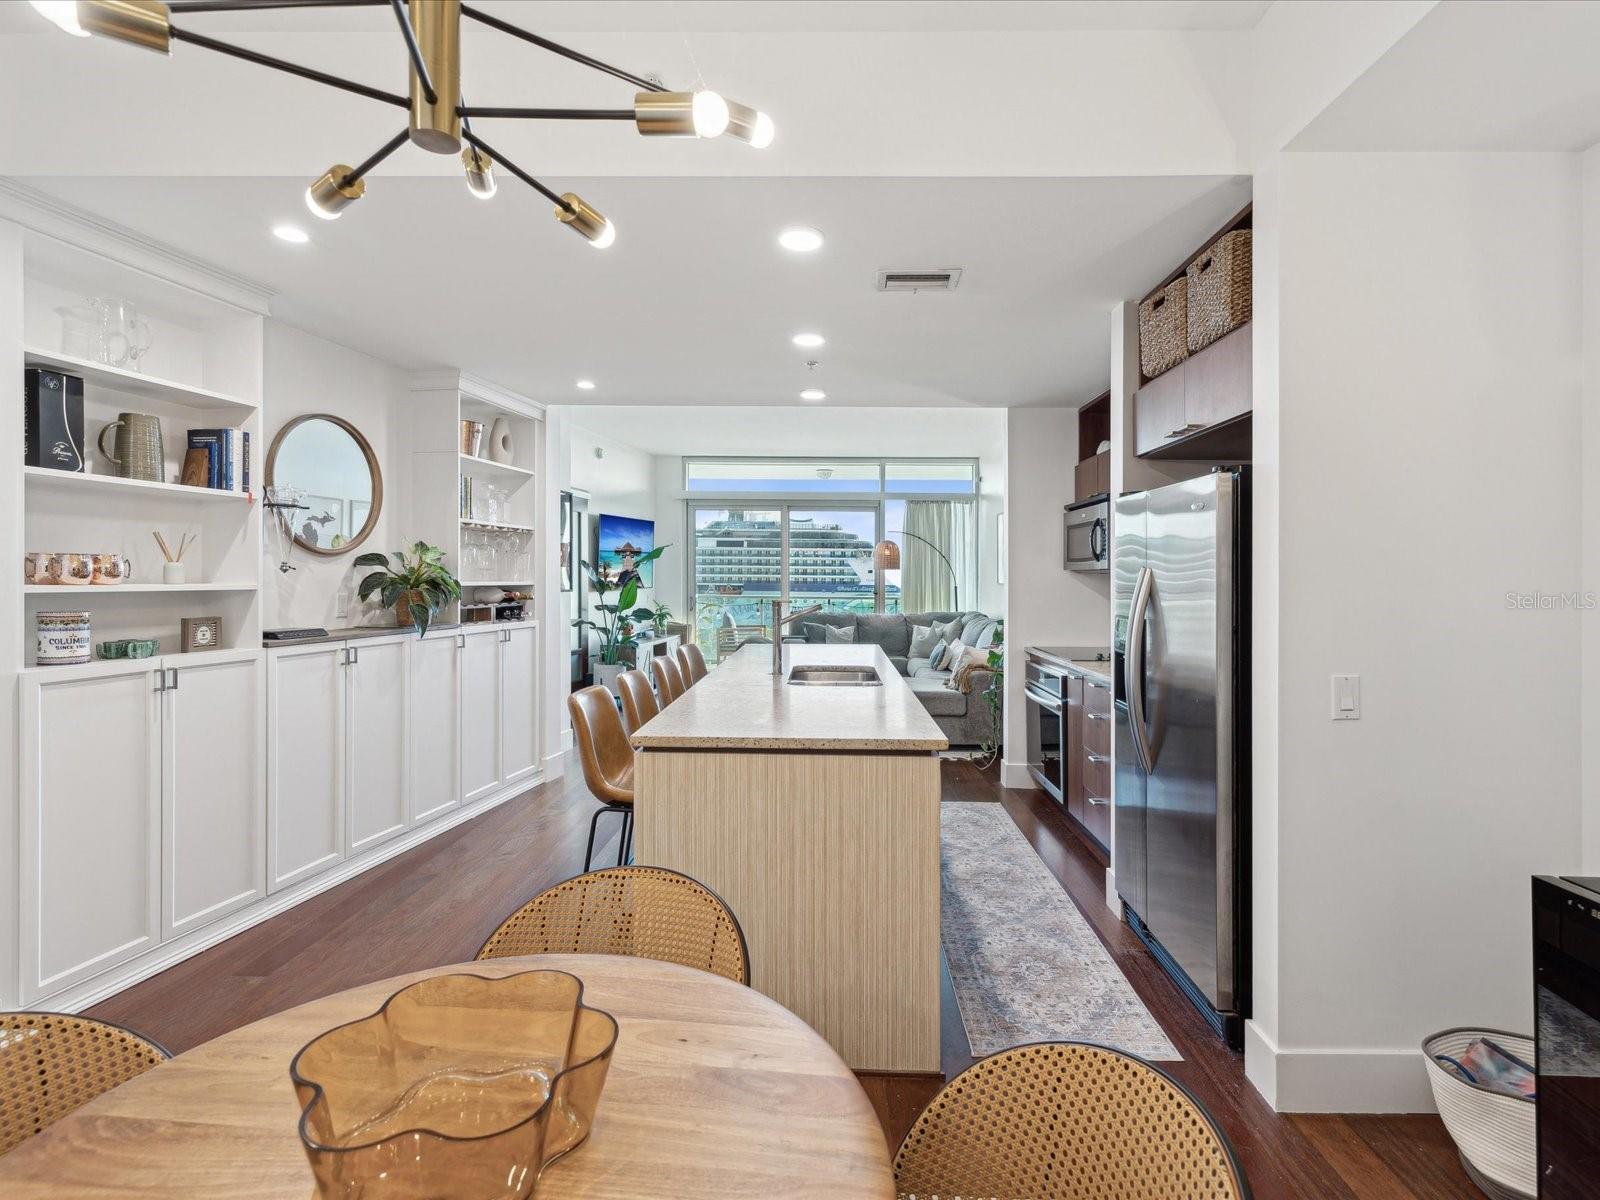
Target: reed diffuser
172, 571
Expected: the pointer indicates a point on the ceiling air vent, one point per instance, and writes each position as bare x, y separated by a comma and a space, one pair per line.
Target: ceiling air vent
919, 281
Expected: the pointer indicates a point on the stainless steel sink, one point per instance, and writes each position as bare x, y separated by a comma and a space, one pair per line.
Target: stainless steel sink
826, 676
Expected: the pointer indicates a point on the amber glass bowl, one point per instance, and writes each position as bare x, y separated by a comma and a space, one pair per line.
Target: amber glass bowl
460, 1085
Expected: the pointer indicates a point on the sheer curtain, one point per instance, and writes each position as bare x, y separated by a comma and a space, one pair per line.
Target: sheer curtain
926, 584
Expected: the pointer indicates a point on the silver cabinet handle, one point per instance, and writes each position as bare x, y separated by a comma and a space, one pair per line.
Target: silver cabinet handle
355, 655
1096, 801
461, 641
1187, 427
174, 671
1098, 758
1095, 683
1098, 716
161, 680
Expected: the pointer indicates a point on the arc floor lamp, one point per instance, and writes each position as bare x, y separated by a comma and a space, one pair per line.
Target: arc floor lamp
440, 121
886, 556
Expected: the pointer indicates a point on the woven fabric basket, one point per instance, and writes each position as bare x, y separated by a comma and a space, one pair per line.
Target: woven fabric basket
1164, 329
1219, 289
1492, 1131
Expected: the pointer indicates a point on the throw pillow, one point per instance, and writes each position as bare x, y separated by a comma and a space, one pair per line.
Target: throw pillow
815, 634
948, 632
947, 661
838, 636
936, 655
923, 640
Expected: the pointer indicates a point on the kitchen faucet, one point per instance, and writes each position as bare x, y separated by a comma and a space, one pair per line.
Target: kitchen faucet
777, 631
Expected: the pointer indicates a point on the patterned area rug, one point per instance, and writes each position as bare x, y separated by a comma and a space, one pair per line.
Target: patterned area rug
1026, 965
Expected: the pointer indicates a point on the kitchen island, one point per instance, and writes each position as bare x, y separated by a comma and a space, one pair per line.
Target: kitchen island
813, 810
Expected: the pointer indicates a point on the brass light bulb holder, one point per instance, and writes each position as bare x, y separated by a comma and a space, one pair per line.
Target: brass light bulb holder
680, 114
143, 23
580, 216
437, 25
749, 125
480, 172
330, 195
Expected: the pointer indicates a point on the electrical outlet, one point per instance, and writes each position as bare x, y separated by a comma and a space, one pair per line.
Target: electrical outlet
1347, 697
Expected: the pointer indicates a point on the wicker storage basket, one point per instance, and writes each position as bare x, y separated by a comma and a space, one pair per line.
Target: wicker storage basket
1493, 1132
1164, 329
1219, 289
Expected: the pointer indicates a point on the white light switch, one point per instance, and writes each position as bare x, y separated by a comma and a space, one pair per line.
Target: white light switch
1347, 697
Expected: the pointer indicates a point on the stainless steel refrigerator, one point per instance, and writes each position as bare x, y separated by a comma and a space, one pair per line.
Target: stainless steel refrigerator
1180, 849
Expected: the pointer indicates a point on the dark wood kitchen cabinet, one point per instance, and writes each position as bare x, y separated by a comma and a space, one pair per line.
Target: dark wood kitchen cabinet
1096, 758
1092, 476
1074, 753
1199, 410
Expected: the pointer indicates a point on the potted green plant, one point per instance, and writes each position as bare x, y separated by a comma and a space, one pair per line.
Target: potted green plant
658, 616
994, 694
416, 586
614, 625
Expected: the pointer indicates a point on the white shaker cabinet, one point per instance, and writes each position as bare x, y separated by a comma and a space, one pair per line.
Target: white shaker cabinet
90, 821
305, 774
435, 750
378, 675
480, 712
519, 704
213, 810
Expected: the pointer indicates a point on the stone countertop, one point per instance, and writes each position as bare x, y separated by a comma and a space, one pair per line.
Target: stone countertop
355, 633
1070, 659
740, 705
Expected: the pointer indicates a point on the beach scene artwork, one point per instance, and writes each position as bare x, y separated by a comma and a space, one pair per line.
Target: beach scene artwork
619, 543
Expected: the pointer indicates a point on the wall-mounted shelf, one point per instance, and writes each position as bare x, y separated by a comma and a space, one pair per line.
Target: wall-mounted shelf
100, 374
504, 473
95, 591
81, 481
493, 527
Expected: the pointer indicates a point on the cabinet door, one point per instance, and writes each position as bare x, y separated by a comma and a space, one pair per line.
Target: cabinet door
90, 822
1073, 750
1097, 759
435, 726
480, 713
213, 798
1217, 384
1158, 412
1083, 476
305, 762
519, 704
1102, 473
376, 777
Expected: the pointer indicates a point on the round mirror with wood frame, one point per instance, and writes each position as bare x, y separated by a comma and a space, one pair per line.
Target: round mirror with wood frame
334, 466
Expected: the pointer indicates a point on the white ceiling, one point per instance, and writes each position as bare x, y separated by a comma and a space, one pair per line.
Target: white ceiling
695, 304
1490, 75
758, 16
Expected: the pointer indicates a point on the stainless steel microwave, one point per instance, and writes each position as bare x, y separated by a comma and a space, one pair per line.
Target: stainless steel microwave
1086, 535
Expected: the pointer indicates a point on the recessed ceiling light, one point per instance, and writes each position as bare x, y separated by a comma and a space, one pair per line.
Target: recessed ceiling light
813, 394
800, 239
586, 385
291, 233
808, 340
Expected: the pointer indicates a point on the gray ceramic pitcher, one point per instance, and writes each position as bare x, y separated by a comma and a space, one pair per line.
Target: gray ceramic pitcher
138, 453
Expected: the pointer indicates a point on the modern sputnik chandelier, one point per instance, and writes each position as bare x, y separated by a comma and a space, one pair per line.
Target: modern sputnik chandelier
439, 121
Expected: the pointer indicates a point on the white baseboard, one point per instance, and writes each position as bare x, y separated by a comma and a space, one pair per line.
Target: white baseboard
1336, 1080
555, 763
170, 954
1015, 775
1113, 900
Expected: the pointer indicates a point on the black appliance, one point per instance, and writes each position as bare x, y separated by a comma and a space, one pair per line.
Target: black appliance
1045, 687
1566, 968
53, 420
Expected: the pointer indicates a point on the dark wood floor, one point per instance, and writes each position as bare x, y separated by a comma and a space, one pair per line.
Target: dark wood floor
436, 904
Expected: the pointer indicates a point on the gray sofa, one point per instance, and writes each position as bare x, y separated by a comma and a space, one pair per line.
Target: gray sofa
963, 716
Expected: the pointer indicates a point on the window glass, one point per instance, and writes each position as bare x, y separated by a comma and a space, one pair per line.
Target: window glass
733, 476
957, 477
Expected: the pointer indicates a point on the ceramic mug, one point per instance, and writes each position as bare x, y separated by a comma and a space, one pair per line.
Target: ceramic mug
111, 569
63, 638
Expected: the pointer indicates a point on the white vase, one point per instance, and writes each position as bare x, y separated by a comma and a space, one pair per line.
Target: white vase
501, 449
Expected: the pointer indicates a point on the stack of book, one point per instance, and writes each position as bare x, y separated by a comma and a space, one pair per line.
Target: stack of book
227, 459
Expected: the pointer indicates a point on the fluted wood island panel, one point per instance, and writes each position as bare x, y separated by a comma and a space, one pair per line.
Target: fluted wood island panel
814, 812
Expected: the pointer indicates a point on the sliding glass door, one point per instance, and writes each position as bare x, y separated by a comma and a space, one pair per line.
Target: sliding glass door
745, 558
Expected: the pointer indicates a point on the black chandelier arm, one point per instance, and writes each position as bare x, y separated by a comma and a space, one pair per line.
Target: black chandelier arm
548, 114
417, 64
557, 48
376, 157
474, 140
278, 64
210, 6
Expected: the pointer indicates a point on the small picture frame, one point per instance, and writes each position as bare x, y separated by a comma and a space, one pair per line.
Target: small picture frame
202, 633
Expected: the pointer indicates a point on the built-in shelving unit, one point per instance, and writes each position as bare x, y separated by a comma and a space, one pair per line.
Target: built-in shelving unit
203, 369
506, 475
495, 526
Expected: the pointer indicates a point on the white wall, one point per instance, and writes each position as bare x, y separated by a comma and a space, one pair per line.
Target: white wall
306, 374
622, 484
1045, 604
1590, 729
1427, 427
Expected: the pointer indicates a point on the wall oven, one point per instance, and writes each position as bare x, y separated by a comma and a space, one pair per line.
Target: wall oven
1086, 535
1046, 690
1566, 963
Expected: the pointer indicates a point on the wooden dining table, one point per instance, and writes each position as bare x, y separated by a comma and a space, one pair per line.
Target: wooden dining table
714, 1091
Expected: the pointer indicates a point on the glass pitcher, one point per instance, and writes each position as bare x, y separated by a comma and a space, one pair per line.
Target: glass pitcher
82, 335
127, 336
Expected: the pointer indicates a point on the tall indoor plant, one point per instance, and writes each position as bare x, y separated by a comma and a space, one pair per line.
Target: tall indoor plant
416, 586
614, 626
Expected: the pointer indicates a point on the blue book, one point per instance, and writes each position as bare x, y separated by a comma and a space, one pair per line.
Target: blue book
244, 458
226, 455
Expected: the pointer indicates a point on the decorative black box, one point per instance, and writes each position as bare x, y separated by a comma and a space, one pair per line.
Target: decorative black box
53, 420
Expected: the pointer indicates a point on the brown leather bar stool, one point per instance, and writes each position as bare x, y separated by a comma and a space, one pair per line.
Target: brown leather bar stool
607, 760
669, 680
692, 663
638, 701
